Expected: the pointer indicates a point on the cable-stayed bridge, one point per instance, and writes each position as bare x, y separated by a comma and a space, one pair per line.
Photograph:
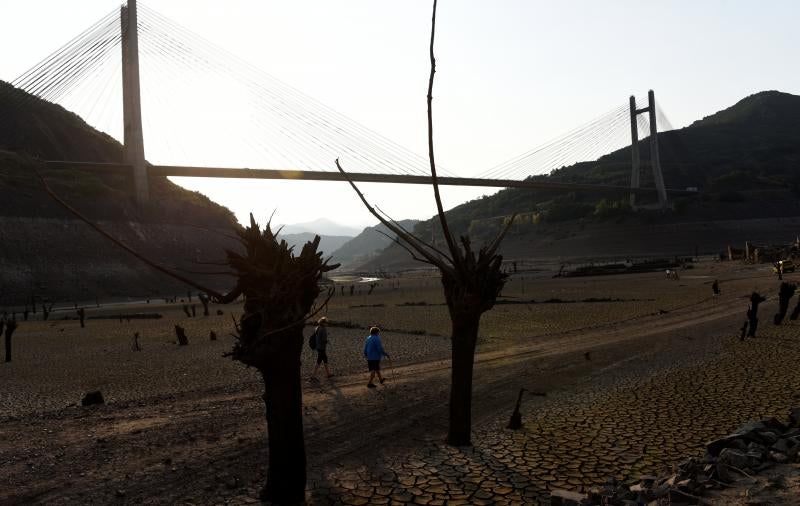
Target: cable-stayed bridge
173, 85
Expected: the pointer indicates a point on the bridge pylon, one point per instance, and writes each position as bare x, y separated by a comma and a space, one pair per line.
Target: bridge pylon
655, 161
133, 144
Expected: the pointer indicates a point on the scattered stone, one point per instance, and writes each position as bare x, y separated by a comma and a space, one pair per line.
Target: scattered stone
92, 398
752, 448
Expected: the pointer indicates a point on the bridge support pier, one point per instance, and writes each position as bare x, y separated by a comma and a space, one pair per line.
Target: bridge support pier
634, 151
655, 160
133, 151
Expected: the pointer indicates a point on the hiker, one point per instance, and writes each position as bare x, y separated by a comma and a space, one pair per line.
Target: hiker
374, 352
715, 287
321, 341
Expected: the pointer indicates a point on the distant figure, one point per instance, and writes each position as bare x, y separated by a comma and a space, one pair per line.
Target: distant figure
82, 317
374, 352
352, 287
672, 274
321, 340
715, 287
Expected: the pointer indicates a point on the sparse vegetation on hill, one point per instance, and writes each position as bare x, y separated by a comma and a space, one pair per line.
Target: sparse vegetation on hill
46, 253
733, 156
368, 244
33, 130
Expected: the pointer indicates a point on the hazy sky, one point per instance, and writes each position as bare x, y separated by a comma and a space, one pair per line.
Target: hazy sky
511, 74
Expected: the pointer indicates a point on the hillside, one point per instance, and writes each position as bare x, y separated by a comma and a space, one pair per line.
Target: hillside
367, 245
44, 251
744, 159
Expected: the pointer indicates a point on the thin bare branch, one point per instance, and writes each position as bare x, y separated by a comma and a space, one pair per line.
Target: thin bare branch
411, 234
490, 251
451, 245
302, 320
212, 231
122, 245
397, 241
438, 262
207, 273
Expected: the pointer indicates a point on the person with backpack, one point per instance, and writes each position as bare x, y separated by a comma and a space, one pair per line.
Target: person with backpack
319, 342
374, 352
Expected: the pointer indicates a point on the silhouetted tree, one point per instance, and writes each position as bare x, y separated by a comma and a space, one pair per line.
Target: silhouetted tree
785, 294
279, 291
472, 280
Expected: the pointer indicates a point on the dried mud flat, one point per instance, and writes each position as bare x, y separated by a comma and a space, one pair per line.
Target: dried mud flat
664, 373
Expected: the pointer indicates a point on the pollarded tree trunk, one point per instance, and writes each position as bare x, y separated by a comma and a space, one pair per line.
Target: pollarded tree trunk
463, 340
283, 400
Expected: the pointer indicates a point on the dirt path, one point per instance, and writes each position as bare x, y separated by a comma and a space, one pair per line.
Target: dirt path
210, 445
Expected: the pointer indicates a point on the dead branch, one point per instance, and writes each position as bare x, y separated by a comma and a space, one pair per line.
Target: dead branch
411, 240
434, 178
431, 246
122, 245
397, 241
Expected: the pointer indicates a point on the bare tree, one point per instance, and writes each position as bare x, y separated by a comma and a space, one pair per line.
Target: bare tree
472, 281
279, 291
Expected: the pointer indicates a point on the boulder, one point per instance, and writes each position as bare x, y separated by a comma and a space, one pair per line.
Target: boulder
92, 398
737, 459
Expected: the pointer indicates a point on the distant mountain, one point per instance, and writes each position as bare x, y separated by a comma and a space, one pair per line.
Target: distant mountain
321, 226
744, 159
368, 244
328, 244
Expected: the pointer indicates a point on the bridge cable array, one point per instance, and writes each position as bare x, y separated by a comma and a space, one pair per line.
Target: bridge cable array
204, 106
589, 142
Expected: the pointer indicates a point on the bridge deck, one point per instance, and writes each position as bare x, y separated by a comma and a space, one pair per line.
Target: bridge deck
363, 177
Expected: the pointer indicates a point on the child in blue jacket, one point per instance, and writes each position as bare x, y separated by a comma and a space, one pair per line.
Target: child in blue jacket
374, 352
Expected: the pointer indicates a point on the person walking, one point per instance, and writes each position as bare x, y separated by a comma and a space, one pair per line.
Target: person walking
321, 338
374, 352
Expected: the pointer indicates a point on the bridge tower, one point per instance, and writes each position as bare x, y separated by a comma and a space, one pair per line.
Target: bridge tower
655, 161
133, 149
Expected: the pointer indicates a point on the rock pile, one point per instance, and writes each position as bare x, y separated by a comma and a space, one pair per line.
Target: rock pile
750, 450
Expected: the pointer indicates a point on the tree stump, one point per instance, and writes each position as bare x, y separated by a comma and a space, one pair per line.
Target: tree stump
180, 332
